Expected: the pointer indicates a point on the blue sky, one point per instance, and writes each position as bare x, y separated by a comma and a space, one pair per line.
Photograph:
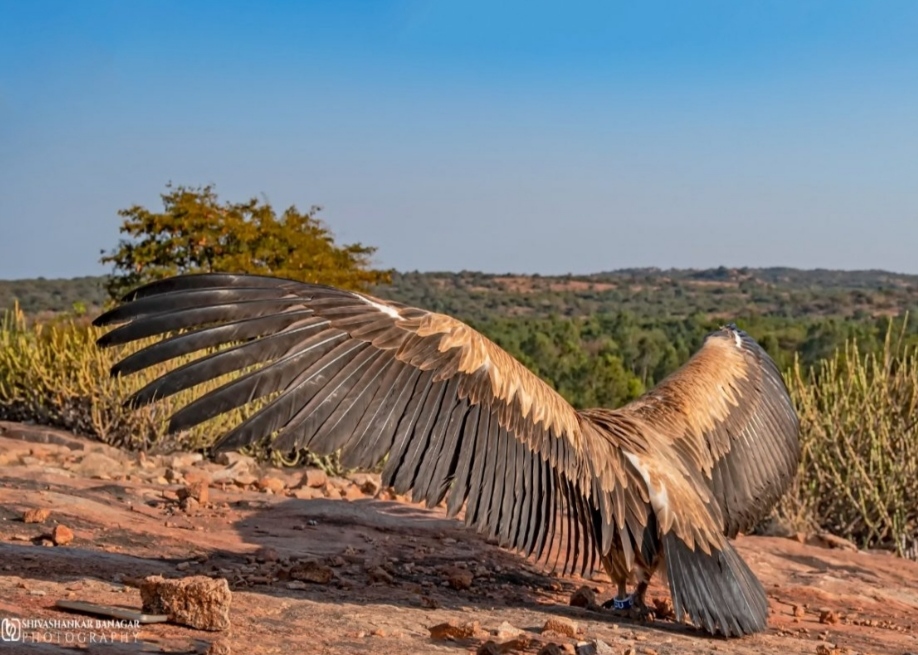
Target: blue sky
504, 137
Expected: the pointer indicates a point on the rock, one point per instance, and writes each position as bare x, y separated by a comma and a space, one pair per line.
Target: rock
352, 492
61, 535
829, 617
594, 647
219, 648
561, 626
379, 574
308, 493
36, 515
244, 479
197, 490
515, 645
314, 477
583, 597
453, 630
489, 648
197, 601
173, 476
368, 483
799, 611
96, 465
234, 459
185, 460
551, 649
272, 484
197, 476
267, 554
296, 585
507, 631
457, 578
311, 571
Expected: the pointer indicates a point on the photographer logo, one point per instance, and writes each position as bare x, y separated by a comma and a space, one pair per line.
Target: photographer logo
11, 630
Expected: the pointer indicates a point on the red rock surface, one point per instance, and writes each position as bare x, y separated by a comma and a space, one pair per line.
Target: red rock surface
379, 570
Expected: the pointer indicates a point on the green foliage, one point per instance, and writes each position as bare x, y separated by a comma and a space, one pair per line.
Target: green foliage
196, 232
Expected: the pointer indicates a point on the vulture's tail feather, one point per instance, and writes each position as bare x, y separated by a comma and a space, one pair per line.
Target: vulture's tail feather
718, 591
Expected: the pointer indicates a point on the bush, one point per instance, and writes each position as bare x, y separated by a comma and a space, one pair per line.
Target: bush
859, 432
54, 374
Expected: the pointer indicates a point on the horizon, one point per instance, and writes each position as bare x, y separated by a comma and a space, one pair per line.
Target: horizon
524, 137
656, 269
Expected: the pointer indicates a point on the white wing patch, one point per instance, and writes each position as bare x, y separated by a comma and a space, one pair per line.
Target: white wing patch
659, 496
385, 309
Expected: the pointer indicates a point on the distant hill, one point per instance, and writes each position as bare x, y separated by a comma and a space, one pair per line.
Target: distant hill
648, 293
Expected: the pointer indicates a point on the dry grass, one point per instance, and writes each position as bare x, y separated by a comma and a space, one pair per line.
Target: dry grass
52, 373
859, 429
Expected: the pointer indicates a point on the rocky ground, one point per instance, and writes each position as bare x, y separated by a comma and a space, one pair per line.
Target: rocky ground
313, 564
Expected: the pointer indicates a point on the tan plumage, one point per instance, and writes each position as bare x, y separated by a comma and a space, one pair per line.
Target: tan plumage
663, 480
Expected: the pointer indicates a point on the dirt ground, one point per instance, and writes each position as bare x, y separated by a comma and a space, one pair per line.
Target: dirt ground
384, 570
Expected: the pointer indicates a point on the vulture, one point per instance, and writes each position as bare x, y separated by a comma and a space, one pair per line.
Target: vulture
663, 483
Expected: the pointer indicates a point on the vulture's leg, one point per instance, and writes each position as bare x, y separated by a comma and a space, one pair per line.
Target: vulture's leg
617, 569
639, 609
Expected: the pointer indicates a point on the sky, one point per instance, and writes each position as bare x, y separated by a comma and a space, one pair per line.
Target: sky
506, 137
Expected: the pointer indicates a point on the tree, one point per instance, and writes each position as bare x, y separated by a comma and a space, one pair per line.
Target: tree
196, 232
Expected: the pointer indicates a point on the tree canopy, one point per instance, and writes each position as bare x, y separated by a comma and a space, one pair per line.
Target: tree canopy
196, 232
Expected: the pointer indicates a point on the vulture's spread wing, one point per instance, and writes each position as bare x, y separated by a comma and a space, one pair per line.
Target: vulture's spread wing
728, 414
459, 417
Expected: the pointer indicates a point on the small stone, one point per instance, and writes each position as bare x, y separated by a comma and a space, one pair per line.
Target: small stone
38, 592
799, 611
183, 566
311, 571
272, 484
561, 626
219, 648
829, 617
185, 460
308, 493
519, 643
97, 465
368, 483
267, 554
551, 649
489, 648
198, 476
235, 459
197, 491
379, 574
583, 597
174, 476
314, 477
595, 647
506, 631
197, 601
244, 479
61, 535
352, 492
296, 585
457, 578
36, 515
453, 630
